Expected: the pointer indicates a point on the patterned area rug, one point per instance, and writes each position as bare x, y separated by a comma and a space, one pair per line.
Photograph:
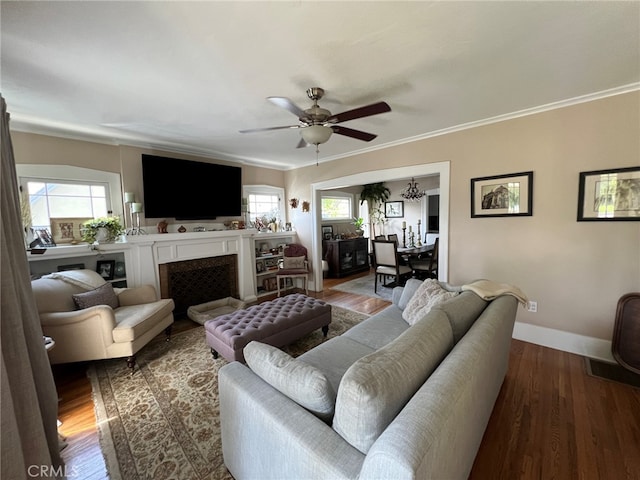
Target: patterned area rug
163, 421
364, 286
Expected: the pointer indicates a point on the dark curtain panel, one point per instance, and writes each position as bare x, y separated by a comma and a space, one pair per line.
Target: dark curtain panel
29, 399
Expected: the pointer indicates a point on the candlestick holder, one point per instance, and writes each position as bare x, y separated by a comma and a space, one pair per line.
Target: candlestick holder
412, 239
419, 244
137, 230
404, 237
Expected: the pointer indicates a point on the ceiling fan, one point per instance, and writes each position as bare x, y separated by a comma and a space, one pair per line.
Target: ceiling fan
317, 124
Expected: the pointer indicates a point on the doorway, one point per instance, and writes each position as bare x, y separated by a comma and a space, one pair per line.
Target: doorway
440, 168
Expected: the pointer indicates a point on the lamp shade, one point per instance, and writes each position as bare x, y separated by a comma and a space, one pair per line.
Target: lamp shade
136, 207
316, 134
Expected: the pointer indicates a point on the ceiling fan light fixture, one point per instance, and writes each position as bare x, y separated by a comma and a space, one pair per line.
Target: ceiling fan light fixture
316, 134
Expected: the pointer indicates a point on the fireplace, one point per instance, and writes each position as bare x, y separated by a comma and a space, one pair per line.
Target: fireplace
191, 282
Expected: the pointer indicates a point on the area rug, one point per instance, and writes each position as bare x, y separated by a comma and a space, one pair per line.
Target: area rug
162, 422
612, 371
364, 286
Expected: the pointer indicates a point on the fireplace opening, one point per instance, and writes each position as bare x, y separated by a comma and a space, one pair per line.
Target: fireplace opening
192, 282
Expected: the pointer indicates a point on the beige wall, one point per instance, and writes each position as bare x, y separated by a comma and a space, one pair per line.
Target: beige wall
125, 160
576, 271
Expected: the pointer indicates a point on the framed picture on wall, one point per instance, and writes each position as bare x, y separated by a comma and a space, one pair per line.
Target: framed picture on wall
609, 195
508, 195
394, 209
106, 268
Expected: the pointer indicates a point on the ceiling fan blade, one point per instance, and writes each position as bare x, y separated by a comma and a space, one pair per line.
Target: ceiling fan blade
350, 132
367, 111
302, 144
287, 104
253, 130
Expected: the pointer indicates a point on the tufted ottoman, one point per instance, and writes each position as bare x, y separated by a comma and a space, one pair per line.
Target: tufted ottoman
277, 322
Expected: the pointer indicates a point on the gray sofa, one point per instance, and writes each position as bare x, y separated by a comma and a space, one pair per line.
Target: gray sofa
385, 400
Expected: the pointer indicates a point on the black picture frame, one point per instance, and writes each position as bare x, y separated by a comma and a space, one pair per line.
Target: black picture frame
327, 232
611, 195
394, 209
509, 195
106, 268
45, 237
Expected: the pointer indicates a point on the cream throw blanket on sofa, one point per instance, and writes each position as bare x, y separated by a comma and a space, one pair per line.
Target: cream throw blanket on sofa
78, 278
488, 290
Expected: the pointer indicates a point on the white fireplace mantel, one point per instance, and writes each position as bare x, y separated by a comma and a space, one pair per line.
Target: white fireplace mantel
147, 252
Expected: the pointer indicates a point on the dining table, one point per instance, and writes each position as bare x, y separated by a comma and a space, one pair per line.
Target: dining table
416, 252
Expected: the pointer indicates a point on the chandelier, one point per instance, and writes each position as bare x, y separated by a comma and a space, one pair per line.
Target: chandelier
412, 193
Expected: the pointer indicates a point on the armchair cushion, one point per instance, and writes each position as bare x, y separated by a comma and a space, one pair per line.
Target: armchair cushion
103, 295
133, 320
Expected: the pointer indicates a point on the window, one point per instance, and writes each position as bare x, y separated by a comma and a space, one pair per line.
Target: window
52, 199
64, 191
337, 207
264, 201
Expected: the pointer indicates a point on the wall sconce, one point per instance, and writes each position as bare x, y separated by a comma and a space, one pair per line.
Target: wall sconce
306, 206
293, 202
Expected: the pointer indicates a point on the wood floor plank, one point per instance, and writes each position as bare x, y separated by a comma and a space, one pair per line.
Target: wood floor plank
550, 420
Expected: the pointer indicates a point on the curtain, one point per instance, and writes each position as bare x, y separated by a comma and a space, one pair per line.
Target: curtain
29, 400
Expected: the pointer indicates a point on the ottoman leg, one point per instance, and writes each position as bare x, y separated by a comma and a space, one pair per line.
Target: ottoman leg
325, 330
214, 353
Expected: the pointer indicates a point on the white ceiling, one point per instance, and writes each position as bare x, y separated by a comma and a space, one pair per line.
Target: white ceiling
187, 76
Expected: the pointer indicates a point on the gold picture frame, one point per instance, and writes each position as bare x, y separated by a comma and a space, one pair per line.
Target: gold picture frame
67, 230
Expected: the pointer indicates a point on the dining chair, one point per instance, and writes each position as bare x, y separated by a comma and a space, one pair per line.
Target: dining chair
387, 264
293, 264
393, 237
426, 267
380, 237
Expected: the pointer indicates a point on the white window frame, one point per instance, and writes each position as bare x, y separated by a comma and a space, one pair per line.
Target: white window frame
266, 190
69, 173
339, 195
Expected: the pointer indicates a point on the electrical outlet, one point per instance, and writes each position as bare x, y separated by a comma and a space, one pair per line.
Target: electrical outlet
532, 306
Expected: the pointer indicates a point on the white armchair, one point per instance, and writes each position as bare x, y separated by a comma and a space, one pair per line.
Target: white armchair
115, 323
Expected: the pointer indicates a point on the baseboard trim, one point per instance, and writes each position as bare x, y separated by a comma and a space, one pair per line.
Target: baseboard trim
568, 342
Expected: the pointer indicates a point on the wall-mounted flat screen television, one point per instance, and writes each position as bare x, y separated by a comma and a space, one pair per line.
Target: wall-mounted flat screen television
188, 190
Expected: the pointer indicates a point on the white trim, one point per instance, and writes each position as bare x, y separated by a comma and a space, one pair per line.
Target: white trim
69, 172
389, 174
33, 124
566, 341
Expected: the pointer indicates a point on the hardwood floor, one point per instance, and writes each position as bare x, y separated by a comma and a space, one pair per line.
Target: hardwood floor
551, 419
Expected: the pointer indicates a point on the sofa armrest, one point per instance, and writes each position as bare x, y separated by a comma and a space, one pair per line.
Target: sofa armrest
137, 295
267, 435
80, 334
98, 313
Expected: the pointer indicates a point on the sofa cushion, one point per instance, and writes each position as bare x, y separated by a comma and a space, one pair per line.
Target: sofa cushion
462, 312
301, 382
103, 295
380, 329
407, 292
132, 321
429, 294
376, 387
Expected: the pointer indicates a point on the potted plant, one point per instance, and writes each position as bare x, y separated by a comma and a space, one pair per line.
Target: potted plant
375, 194
102, 229
358, 223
